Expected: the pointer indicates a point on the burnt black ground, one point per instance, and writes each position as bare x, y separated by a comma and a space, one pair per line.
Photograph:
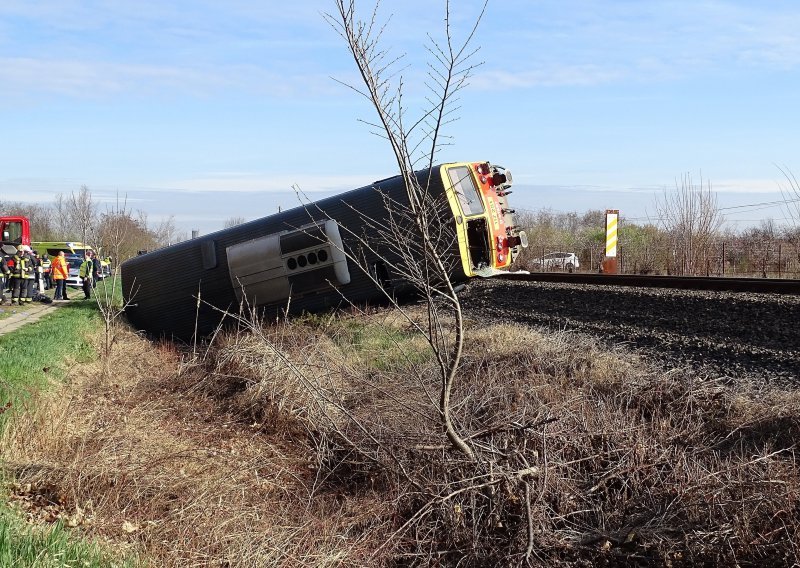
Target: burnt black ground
724, 334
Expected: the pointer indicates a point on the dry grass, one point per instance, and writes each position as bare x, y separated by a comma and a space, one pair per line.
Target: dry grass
152, 462
317, 443
641, 468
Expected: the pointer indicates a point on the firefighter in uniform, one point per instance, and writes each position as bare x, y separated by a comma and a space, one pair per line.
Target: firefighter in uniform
36, 270
8, 256
5, 272
31, 276
19, 277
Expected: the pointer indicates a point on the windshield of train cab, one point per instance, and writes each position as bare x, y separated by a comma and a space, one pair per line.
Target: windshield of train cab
467, 192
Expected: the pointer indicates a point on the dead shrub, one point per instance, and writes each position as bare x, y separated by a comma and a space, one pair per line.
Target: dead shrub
585, 454
271, 379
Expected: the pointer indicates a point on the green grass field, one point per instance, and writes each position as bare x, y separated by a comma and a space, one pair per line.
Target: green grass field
44, 349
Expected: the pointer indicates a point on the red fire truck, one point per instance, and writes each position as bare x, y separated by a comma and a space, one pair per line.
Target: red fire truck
15, 230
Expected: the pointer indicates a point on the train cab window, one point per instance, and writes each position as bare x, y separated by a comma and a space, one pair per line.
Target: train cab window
464, 186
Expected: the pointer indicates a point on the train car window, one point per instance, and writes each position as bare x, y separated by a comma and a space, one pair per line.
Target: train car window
208, 251
464, 186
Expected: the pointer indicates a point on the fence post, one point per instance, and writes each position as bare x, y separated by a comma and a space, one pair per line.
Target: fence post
723, 258
779, 260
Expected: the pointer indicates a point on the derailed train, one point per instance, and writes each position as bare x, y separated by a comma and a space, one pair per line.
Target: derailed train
319, 255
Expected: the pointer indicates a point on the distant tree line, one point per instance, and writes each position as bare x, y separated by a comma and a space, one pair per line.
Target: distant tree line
80, 217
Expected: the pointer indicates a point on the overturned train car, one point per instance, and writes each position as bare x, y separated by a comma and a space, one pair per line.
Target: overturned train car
322, 255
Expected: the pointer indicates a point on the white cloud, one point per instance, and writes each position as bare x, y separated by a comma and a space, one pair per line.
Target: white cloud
584, 44
548, 76
74, 77
45, 189
97, 79
269, 183
745, 186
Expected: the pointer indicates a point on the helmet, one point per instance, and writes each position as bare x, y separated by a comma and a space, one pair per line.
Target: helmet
23, 248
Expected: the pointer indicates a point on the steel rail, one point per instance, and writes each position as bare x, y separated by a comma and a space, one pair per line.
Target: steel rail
762, 285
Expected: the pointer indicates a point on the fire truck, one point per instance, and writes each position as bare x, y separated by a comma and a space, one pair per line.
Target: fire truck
15, 230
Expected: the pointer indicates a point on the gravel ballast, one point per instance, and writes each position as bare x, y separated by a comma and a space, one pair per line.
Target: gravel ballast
729, 334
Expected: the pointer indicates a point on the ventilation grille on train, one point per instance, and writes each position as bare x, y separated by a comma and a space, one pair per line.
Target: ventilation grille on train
270, 269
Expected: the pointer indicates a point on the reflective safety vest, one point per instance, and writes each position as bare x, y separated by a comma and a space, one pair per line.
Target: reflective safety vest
60, 269
32, 267
21, 267
85, 270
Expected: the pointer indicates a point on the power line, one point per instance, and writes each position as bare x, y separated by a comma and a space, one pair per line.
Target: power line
749, 208
756, 220
767, 203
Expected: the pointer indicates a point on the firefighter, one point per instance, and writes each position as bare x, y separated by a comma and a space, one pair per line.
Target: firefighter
38, 274
47, 265
8, 255
19, 277
96, 268
33, 274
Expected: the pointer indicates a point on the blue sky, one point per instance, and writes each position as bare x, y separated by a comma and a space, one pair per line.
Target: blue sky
210, 110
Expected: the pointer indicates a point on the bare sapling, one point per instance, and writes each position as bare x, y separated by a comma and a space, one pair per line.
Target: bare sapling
416, 226
115, 234
82, 209
424, 431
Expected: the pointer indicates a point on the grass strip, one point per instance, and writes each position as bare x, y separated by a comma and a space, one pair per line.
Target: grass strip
26, 546
30, 357
44, 350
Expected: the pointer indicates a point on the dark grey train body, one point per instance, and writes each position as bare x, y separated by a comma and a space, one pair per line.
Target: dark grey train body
294, 259
355, 247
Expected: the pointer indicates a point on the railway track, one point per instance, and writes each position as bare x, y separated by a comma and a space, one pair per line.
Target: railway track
729, 328
758, 285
